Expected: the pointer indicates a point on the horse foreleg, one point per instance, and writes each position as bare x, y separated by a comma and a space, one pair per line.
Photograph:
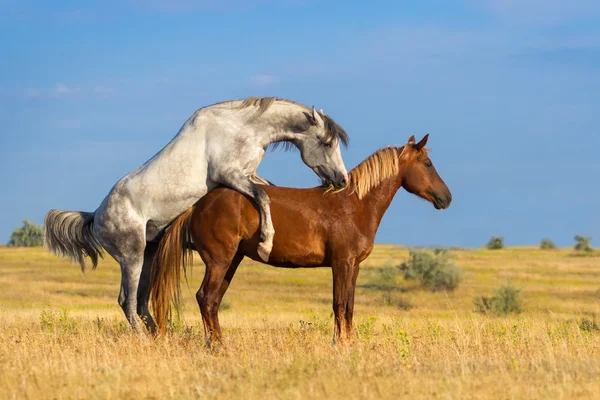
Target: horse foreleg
344, 280
245, 186
350, 306
260, 181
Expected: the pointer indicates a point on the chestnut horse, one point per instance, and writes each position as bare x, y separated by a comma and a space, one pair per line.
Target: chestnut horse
315, 228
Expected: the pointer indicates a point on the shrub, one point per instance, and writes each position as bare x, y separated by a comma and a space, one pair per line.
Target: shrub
313, 323
547, 244
29, 235
385, 278
583, 243
401, 302
504, 301
589, 325
366, 330
434, 270
405, 304
496, 243
58, 320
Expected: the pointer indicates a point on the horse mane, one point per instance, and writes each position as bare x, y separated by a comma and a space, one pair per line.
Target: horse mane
264, 103
376, 168
333, 130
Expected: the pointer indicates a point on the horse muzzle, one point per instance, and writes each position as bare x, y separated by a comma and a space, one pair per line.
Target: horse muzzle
328, 177
441, 201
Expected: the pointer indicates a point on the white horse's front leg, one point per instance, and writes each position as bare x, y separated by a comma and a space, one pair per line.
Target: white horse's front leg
260, 180
244, 185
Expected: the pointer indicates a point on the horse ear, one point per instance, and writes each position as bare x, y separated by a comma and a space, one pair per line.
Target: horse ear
322, 112
422, 143
412, 140
316, 118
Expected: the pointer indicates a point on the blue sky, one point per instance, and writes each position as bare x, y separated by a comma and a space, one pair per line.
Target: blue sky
508, 89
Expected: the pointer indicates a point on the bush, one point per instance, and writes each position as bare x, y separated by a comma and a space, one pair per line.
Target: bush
496, 243
29, 235
404, 304
589, 325
547, 244
366, 330
384, 280
583, 243
504, 301
434, 270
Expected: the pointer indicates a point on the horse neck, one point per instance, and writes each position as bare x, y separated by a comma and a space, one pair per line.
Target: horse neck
271, 126
376, 202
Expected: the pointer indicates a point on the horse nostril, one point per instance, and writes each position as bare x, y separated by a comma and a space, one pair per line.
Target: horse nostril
343, 182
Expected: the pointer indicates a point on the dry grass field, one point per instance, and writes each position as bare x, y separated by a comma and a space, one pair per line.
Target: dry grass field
62, 334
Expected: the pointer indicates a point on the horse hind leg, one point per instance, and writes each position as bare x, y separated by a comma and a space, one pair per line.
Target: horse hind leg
229, 277
209, 298
131, 270
215, 301
145, 284
127, 247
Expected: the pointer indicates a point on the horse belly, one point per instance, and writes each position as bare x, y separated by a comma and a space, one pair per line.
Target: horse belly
299, 245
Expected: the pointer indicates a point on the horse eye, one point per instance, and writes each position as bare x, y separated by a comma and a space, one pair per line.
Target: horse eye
428, 164
328, 144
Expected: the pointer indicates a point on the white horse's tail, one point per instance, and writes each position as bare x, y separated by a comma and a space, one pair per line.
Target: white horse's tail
71, 234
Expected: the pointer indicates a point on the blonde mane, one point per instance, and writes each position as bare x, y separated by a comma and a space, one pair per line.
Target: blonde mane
379, 166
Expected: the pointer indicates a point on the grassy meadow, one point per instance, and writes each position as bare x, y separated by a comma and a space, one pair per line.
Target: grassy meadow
63, 335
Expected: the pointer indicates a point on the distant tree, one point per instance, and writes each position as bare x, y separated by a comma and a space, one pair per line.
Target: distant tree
496, 243
547, 244
29, 235
582, 243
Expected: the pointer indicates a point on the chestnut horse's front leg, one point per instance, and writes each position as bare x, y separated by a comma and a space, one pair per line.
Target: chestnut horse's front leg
344, 283
350, 305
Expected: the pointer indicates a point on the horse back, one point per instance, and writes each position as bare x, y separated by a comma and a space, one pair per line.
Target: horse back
301, 218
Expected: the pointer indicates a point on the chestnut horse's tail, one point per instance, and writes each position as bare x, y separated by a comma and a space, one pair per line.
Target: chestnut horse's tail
171, 258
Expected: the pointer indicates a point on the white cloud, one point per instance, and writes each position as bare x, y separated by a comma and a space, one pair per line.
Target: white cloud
63, 91
31, 93
103, 91
264, 80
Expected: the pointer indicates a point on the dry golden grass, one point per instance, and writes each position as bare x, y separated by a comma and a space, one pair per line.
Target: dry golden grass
62, 334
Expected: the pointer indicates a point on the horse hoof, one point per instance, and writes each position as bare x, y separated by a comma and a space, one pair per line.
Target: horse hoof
264, 250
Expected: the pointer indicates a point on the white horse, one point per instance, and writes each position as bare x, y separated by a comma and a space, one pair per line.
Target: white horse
219, 144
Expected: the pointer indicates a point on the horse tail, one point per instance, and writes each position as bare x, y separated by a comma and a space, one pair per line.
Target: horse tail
171, 258
71, 234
